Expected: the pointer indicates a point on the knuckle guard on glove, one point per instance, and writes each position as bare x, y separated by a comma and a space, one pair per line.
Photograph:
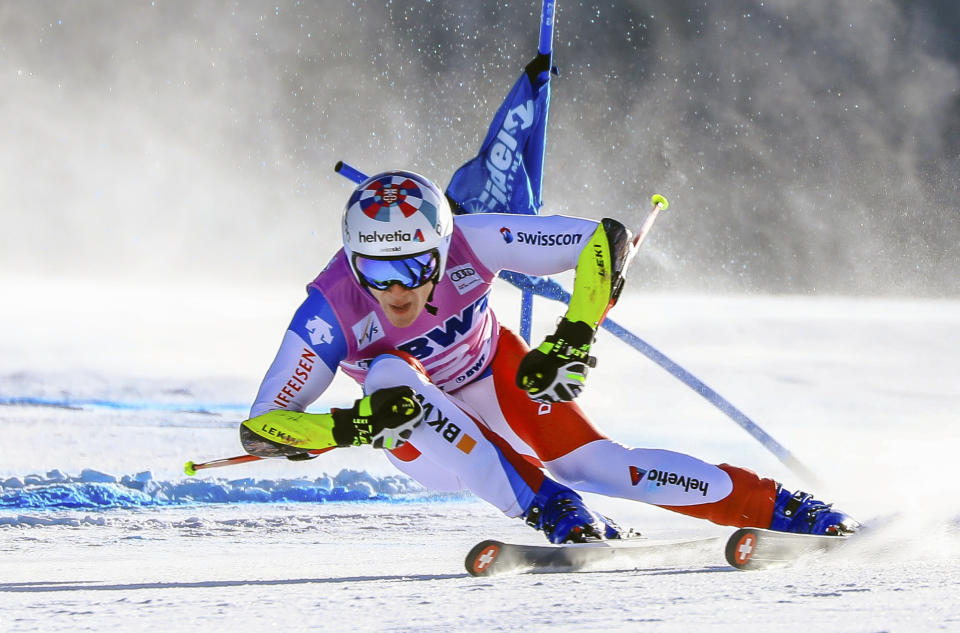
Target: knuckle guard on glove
556, 370
384, 419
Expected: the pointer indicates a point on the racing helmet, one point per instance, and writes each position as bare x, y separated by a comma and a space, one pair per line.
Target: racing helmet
397, 228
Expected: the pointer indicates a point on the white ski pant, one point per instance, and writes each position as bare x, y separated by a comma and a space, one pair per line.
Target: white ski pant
488, 437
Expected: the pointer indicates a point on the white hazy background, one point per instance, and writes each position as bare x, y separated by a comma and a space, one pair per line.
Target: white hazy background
805, 148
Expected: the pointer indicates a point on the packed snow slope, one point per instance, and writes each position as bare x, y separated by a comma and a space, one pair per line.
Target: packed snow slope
108, 390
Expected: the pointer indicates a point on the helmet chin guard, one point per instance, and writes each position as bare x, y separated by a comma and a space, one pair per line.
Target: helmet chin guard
394, 215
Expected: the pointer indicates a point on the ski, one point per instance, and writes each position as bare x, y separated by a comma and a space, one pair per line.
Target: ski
493, 558
756, 548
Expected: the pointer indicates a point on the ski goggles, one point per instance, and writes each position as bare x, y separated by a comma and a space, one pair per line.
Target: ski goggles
410, 272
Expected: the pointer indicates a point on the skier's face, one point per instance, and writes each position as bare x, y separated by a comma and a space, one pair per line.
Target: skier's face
402, 305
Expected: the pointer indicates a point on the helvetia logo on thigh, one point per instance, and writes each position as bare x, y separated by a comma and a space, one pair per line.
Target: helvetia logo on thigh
689, 484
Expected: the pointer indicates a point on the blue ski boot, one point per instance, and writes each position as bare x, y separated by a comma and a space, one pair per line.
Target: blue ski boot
561, 514
800, 512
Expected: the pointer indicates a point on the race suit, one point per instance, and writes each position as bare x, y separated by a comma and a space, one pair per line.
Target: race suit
481, 432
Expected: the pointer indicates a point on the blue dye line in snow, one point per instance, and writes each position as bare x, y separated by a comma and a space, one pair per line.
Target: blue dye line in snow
94, 490
81, 403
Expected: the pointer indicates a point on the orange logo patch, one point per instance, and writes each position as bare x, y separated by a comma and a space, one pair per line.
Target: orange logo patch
466, 443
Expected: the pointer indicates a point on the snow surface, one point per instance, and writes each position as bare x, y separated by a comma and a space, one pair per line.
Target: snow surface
110, 389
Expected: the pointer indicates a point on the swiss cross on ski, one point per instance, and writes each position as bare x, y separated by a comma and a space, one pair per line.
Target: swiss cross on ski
485, 559
745, 547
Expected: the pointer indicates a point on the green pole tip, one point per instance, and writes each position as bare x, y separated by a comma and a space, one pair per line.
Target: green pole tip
189, 469
659, 201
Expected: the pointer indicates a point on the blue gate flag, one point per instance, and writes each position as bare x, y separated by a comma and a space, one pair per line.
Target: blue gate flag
507, 175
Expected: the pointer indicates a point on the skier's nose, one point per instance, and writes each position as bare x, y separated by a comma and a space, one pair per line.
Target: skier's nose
396, 289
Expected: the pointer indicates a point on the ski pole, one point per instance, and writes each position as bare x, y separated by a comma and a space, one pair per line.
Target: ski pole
659, 203
191, 467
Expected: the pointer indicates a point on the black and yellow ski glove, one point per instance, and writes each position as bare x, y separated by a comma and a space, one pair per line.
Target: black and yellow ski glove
384, 419
556, 370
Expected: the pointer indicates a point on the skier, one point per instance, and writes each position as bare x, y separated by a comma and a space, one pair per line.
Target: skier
458, 400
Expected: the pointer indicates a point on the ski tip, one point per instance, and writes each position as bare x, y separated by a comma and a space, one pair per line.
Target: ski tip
190, 468
757, 548
659, 201
480, 558
740, 547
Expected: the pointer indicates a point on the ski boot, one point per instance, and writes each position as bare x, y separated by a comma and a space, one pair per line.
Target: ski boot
800, 512
561, 514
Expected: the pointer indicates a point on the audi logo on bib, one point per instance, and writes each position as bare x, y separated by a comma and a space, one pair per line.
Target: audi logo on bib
457, 275
464, 277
